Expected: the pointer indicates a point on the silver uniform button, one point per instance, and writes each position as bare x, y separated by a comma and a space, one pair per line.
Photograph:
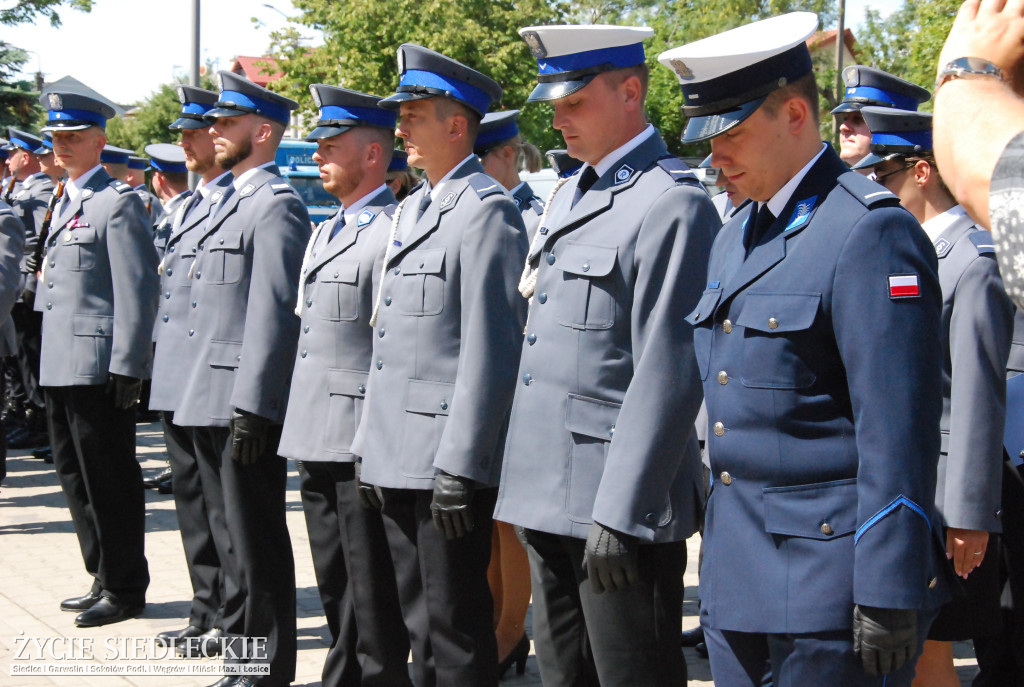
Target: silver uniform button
727, 326
826, 529
723, 378
932, 582
726, 478
719, 429
773, 323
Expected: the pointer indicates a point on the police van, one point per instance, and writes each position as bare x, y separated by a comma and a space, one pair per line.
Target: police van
295, 160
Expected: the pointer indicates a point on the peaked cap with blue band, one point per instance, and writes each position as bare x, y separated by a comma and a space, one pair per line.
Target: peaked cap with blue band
570, 56
495, 127
399, 161
428, 74
564, 164
239, 96
136, 162
46, 145
112, 155
897, 132
23, 140
67, 111
195, 103
342, 109
726, 77
166, 157
867, 86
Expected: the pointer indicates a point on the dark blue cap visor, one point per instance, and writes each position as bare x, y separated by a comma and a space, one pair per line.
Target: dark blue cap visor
326, 132
869, 161
553, 90
708, 126
186, 122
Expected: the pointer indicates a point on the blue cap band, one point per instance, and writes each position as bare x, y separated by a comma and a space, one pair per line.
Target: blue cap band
371, 116
114, 158
499, 133
136, 164
278, 113
620, 57
195, 108
458, 89
168, 166
77, 115
22, 143
904, 138
900, 102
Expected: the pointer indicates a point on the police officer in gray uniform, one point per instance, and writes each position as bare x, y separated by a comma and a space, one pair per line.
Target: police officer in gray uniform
601, 466
354, 572
170, 175
448, 327
499, 147
98, 294
216, 599
241, 326
137, 180
12, 241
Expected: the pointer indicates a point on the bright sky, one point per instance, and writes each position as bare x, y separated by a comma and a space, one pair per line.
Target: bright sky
126, 49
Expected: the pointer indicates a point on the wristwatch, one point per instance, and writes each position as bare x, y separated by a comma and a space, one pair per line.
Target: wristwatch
968, 68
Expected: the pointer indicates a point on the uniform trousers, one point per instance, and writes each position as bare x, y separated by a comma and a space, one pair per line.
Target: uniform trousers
261, 551
626, 637
798, 660
194, 523
94, 457
356, 581
442, 587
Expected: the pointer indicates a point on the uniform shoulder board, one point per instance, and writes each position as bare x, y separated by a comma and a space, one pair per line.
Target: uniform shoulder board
389, 211
6, 211
119, 185
866, 191
677, 169
537, 205
281, 188
485, 185
982, 240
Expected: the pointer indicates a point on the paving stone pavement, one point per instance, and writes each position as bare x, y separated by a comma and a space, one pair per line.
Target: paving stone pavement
40, 564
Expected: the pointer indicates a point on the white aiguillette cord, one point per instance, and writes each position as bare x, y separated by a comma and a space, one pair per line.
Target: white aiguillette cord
305, 261
387, 256
528, 281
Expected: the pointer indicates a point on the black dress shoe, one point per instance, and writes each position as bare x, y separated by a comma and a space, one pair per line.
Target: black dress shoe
208, 644
701, 649
520, 652
106, 611
154, 482
693, 637
176, 636
166, 487
80, 603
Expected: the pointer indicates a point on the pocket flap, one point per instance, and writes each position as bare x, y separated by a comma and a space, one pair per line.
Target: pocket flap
429, 398
778, 312
347, 383
1016, 360
226, 239
824, 510
591, 417
345, 271
705, 307
92, 325
586, 260
80, 235
424, 261
225, 354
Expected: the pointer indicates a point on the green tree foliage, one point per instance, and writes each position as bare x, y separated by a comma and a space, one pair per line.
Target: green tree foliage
148, 122
18, 97
26, 10
908, 42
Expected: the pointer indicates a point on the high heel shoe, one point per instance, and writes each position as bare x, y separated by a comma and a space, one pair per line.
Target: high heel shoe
518, 655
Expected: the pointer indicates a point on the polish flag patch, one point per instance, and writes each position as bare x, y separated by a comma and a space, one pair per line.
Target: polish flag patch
904, 286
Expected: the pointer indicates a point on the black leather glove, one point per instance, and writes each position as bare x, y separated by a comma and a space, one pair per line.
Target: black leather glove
451, 504
884, 638
369, 494
248, 436
610, 559
125, 390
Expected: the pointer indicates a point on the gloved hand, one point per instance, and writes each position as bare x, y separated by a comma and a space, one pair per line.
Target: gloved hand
451, 504
248, 436
125, 390
369, 494
32, 263
884, 638
610, 559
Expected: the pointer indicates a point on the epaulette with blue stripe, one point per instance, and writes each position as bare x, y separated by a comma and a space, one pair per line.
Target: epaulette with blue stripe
868, 192
677, 169
982, 240
119, 185
485, 185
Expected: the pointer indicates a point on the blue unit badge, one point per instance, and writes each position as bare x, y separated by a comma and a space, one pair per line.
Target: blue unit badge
364, 218
713, 284
623, 173
802, 212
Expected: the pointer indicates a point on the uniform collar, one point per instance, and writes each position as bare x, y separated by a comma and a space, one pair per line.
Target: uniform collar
937, 225
609, 160
435, 191
207, 188
781, 198
73, 188
241, 180
351, 212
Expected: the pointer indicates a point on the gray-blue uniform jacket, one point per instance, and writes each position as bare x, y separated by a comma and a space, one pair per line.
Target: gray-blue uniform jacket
242, 331
30, 206
820, 377
162, 229
530, 206
332, 363
608, 389
977, 327
98, 291
447, 339
12, 241
170, 333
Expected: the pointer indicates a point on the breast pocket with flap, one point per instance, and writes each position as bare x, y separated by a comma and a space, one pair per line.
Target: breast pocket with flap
585, 298
777, 339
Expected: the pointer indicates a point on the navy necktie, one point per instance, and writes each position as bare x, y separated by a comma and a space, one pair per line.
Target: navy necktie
338, 226
757, 226
587, 179
424, 204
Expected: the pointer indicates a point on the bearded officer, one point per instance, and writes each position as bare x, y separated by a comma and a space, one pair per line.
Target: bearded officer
97, 292
217, 601
600, 465
822, 550
353, 566
241, 326
448, 327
